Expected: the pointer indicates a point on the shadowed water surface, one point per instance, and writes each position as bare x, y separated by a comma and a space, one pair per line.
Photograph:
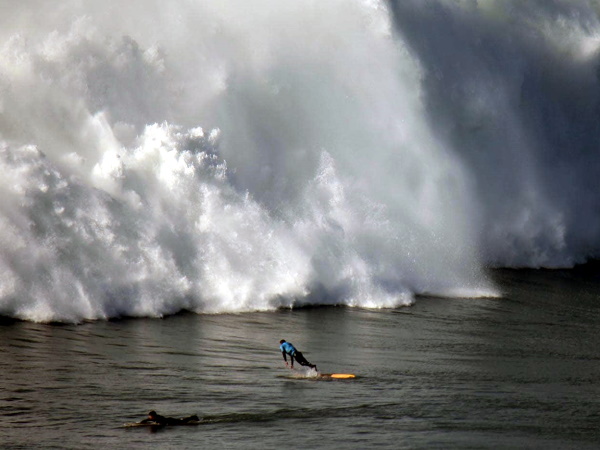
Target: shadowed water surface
518, 372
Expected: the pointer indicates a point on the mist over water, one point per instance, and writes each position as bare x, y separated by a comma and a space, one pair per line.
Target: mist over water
513, 88
235, 156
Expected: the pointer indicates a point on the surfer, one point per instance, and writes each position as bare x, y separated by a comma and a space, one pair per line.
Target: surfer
154, 418
288, 349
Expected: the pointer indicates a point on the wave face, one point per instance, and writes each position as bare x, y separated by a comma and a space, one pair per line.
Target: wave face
236, 156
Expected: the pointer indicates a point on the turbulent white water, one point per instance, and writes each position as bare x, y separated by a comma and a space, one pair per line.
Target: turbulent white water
235, 155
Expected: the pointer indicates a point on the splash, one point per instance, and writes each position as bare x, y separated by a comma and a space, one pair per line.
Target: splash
238, 156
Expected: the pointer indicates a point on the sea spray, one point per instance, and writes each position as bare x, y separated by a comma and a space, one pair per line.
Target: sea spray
513, 89
228, 156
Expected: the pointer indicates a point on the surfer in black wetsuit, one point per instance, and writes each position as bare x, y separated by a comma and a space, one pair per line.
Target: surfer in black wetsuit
157, 419
288, 349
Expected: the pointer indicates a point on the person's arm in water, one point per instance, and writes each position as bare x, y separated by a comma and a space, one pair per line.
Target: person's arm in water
284, 357
155, 418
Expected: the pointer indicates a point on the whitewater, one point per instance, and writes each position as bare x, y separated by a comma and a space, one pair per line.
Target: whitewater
244, 156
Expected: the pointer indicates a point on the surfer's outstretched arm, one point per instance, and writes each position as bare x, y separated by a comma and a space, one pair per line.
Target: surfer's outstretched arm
285, 358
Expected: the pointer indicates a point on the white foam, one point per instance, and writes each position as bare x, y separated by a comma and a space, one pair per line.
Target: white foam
223, 156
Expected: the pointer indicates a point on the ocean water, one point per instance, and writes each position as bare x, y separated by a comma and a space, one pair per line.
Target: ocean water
405, 189
521, 371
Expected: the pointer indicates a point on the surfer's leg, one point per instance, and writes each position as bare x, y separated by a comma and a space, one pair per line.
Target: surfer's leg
302, 360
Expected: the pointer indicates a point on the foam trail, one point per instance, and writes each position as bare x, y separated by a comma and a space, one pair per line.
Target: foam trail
222, 156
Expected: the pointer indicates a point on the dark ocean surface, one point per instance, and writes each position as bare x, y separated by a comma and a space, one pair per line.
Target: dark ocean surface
521, 371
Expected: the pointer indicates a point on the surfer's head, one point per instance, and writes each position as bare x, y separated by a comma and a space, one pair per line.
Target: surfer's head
152, 414
282, 341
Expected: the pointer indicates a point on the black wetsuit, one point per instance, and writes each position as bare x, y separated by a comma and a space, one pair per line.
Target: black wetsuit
288, 349
162, 420
300, 359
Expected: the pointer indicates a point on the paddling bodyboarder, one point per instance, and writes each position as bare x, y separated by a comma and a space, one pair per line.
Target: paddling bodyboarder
154, 418
288, 349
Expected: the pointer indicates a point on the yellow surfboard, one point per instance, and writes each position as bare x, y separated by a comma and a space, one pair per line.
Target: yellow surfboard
339, 376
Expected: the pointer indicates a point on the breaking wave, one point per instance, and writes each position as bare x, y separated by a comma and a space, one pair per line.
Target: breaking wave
237, 156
